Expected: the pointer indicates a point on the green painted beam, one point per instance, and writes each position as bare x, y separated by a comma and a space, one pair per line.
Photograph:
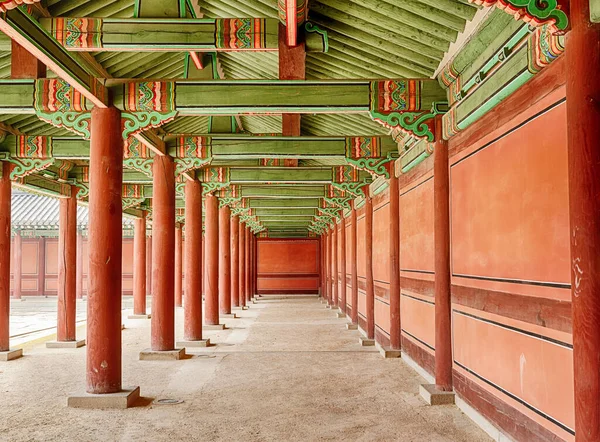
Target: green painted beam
284, 191
26, 31
285, 175
284, 203
172, 34
285, 211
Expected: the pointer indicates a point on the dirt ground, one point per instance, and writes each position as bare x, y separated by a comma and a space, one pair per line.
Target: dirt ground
286, 370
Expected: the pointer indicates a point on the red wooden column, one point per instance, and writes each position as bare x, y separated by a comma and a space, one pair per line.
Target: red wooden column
583, 124
353, 266
443, 327
149, 265
394, 257
139, 267
42, 267
342, 240
105, 253
332, 291
23, 64
370, 288
163, 256
328, 265
242, 267
18, 266
5, 211
192, 319
79, 287
321, 266
254, 264
211, 314
335, 279
292, 66
67, 269
178, 265
247, 263
225, 260
235, 260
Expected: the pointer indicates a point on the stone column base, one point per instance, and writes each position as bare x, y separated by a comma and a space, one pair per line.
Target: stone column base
122, 400
388, 353
351, 326
166, 355
341, 315
65, 344
228, 315
433, 396
191, 344
10, 355
214, 327
366, 342
139, 317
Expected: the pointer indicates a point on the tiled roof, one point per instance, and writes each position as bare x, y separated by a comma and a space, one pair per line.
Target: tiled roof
30, 211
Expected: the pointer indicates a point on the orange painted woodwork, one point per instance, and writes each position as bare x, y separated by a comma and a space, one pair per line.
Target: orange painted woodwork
369, 285
353, 265
247, 263
5, 211
511, 198
443, 299
18, 266
334, 268
225, 260
416, 228
211, 266
79, 286
394, 261
67, 267
235, 260
178, 265
583, 125
242, 261
342, 241
288, 265
139, 264
149, 265
192, 313
105, 253
163, 254
292, 66
24, 65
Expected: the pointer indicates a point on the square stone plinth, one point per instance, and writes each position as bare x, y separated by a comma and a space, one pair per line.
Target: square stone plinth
121, 400
228, 315
388, 353
10, 355
167, 355
194, 344
139, 317
433, 396
351, 326
214, 327
341, 315
65, 344
366, 342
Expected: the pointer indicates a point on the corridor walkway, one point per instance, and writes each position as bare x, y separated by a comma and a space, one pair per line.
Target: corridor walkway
286, 370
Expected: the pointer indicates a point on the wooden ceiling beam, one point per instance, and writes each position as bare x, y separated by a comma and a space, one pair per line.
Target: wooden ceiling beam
25, 30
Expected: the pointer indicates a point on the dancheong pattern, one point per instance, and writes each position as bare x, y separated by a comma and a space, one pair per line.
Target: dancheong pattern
532, 11
395, 96
77, 33
544, 47
301, 11
150, 96
363, 147
56, 95
34, 147
240, 33
6, 5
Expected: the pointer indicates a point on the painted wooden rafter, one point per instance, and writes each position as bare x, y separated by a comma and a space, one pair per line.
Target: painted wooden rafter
292, 13
536, 12
25, 30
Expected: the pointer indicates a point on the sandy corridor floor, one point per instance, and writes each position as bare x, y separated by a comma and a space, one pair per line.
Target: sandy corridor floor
286, 370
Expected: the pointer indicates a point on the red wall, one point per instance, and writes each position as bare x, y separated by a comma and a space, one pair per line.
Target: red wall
288, 266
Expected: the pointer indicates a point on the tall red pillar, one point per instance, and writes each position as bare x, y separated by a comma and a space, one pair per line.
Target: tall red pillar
212, 261
328, 266
332, 291
342, 241
139, 266
149, 265
67, 267
353, 266
235, 260
225, 260
394, 259
583, 127
79, 286
242, 267
369, 286
322, 266
178, 265
192, 321
18, 266
247, 264
336, 275
254, 264
105, 253
163, 254
441, 197
5, 258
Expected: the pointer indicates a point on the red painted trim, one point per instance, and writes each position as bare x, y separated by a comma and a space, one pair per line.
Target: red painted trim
291, 19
